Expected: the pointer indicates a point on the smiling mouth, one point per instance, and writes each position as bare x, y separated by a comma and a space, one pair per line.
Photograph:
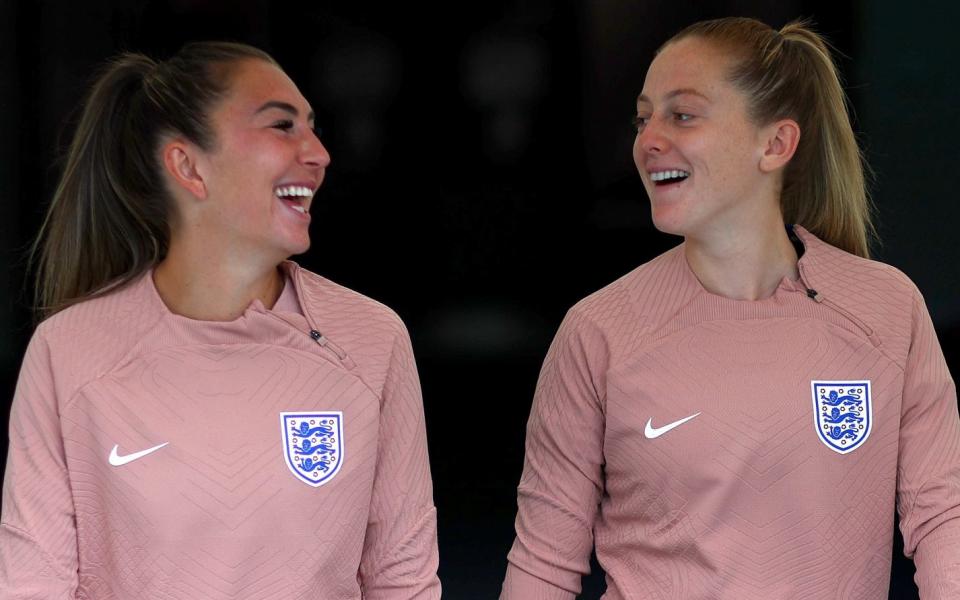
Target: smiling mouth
662, 178
294, 196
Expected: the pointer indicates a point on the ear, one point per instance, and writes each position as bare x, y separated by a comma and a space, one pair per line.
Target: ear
782, 138
180, 160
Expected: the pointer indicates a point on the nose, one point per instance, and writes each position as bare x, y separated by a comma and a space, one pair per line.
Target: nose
652, 139
313, 153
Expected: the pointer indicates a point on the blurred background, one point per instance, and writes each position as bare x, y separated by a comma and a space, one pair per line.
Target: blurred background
482, 180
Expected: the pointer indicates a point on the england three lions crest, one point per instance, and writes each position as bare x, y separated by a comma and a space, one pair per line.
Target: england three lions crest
313, 445
842, 413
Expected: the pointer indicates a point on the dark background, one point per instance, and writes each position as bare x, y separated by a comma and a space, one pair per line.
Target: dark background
482, 180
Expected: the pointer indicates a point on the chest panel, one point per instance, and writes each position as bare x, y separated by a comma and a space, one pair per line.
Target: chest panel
751, 466
182, 452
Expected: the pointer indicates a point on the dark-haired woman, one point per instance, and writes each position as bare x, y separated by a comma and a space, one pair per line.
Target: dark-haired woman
196, 416
739, 417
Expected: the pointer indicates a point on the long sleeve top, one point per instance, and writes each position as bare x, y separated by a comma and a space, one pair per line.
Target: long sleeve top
710, 448
279, 455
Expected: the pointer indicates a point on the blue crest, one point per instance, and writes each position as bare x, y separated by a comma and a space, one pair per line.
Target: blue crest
842, 413
313, 444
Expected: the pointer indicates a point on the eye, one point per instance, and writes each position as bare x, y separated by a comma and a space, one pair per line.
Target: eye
682, 117
639, 122
283, 125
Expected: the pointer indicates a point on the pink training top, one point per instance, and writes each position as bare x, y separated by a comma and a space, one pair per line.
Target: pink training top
279, 455
711, 448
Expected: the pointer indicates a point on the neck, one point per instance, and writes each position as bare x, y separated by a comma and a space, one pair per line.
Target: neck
214, 288
745, 266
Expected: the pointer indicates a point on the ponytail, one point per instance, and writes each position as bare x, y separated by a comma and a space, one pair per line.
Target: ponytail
109, 219
790, 74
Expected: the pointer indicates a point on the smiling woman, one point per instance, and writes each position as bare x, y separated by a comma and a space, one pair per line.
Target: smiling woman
197, 416
266, 151
740, 417
244, 203
698, 151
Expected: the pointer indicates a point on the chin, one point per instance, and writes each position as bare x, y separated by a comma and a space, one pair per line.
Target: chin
667, 219
292, 241
277, 253
300, 248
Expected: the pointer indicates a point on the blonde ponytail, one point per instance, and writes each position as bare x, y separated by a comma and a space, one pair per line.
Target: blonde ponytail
791, 74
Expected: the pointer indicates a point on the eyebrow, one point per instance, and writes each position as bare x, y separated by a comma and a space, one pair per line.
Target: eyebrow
674, 94
285, 107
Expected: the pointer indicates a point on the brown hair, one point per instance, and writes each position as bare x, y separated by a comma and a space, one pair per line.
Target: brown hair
790, 74
109, 219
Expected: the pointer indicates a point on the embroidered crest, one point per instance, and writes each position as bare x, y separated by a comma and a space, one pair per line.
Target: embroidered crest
842, 413
313, 444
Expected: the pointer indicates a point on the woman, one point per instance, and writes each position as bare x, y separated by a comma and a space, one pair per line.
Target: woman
738, 417
196, 417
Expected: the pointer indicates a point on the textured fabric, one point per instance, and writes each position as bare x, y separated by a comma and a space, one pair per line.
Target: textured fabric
216, 513
674, 431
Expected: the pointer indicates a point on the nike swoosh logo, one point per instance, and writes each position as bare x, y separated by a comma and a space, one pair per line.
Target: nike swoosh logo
118, 461
654, 432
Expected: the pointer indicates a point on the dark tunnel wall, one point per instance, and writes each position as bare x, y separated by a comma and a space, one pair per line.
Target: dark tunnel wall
482, 181
907, 93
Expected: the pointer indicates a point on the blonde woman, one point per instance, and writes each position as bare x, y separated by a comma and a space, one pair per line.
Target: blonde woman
740, 417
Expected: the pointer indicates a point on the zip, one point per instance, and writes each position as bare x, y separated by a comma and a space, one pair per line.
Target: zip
819, 299
321, 340
325, 343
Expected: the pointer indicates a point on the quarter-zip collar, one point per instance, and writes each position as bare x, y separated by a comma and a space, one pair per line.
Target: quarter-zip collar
808, 265
820, 268
296, 275
248, 325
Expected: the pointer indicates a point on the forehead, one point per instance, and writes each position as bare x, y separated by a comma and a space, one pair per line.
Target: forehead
255, 82
690, 63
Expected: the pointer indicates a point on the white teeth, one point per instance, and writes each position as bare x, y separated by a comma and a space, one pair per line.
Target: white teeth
294, 191
664, 175
299, 208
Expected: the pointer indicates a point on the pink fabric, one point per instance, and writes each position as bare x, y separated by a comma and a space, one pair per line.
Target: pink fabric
288, 302
742, 501
216, 513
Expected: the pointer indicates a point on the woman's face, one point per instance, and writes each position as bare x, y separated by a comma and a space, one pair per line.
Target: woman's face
265, 165
697, 150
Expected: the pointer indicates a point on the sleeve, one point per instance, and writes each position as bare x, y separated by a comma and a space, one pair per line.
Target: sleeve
928, 473
400, 555
38, 538
562, 479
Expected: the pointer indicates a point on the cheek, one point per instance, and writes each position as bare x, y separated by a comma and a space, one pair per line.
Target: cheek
721, 156
742, 147
256, 169
694, 143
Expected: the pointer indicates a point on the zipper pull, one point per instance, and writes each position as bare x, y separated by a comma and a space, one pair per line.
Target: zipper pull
811, 293
325, 343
